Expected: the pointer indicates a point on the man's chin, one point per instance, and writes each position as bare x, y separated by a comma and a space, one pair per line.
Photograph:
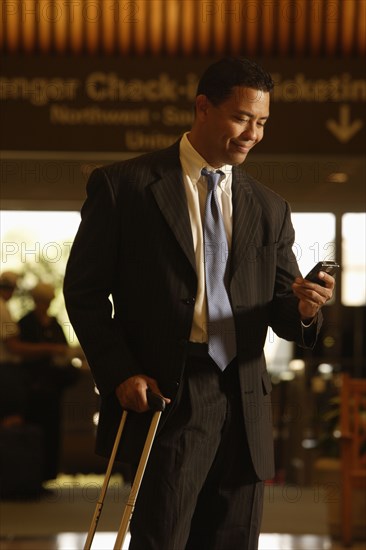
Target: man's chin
237, 158
231, 158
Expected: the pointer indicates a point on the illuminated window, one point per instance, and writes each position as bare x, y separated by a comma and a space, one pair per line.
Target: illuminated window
314, 238
36, 244
353, 259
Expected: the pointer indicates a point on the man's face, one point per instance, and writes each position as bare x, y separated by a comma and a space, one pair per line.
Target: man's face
232, 128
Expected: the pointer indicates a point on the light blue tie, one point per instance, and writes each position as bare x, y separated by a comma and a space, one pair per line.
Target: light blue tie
221, 327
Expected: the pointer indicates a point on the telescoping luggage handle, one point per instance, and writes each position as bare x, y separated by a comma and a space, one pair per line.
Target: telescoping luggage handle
157, 404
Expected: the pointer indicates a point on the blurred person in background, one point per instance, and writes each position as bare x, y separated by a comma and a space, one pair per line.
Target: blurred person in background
12, 388
12, 352
47, 376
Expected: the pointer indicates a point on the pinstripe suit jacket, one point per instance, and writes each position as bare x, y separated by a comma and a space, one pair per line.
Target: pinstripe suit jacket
135, 244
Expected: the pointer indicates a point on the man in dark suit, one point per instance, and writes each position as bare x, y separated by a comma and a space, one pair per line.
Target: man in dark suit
143, 242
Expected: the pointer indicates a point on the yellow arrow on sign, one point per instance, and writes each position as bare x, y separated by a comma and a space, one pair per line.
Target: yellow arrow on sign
344, 130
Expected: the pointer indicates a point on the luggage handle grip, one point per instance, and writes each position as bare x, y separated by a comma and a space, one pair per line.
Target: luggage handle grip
155, 401
157, 404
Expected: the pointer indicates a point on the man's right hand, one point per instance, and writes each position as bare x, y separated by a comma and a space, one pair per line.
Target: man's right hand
132, 393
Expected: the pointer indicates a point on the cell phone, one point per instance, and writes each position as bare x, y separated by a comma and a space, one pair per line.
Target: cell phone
329, 267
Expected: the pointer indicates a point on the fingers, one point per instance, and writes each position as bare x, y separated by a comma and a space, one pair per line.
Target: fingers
132, 393
316, 293
327, 280
313, 296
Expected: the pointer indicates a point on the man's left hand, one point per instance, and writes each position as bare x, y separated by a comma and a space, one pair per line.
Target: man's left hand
313, 296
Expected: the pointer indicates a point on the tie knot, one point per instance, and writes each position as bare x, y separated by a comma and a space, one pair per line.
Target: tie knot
213, 178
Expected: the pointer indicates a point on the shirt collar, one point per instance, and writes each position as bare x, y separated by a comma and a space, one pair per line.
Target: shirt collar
193, 163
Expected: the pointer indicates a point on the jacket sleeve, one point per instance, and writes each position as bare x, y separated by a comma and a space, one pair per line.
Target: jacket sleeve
89, 281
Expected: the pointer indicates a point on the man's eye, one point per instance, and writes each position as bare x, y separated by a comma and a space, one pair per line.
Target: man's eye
242, 120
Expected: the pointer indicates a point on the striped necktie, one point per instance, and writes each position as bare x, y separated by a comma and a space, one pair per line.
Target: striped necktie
221, 327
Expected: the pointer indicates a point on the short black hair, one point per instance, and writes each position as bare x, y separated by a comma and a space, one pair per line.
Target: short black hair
219, 79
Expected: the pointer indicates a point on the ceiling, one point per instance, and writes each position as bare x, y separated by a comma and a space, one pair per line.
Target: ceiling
277, 28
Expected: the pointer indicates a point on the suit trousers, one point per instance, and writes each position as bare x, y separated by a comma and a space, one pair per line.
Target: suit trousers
200, 491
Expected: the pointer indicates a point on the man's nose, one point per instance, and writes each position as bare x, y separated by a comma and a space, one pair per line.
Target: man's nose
250, 132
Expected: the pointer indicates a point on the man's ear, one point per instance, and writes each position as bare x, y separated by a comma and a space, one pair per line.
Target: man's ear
202, 106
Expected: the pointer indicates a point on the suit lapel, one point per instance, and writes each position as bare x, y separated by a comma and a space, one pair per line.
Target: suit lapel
169, 193
246, 217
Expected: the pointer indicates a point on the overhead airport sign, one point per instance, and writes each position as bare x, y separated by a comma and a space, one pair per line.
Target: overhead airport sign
134, 105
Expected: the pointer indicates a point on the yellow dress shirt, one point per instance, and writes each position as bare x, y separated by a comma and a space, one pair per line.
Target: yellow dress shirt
196, 191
